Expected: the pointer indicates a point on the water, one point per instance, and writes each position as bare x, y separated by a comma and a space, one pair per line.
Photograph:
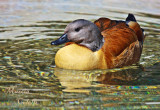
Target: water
30, 80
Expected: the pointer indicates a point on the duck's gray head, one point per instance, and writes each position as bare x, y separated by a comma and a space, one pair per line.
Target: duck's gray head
82, 32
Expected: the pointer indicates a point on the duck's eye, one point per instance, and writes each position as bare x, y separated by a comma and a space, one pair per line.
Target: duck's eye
77, 29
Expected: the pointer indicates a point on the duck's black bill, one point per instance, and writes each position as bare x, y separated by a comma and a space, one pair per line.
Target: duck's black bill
63, 39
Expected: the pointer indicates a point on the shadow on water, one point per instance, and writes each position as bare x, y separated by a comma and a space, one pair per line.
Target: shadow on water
129, 76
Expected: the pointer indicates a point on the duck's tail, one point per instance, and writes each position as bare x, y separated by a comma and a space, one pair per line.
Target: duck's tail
131, 18
132, 22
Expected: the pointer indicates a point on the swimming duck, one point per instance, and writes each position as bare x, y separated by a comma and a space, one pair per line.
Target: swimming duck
104, 44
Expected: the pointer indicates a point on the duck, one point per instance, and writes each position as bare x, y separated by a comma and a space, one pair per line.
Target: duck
102, 44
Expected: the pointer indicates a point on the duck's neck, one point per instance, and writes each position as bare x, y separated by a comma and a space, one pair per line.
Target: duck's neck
94, 45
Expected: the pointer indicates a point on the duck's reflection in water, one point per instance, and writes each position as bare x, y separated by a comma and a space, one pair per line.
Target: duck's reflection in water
79, 81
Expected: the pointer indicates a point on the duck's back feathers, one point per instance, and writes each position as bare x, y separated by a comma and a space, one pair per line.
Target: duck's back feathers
104, 23
118, 38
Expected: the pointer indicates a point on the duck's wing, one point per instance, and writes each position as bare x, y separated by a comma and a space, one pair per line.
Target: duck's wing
118, 38
105, 23
123, 41
129, 56
121, 46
